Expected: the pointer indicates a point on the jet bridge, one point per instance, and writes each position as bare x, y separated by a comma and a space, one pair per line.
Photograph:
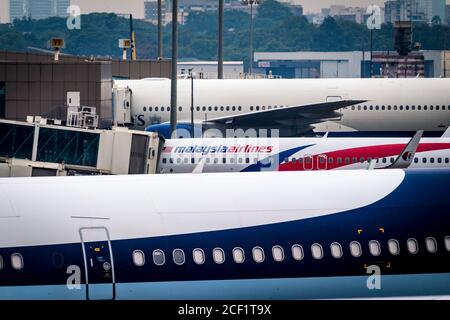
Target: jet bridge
38, 148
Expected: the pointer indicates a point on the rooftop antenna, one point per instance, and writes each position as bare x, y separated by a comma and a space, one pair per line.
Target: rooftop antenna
133, 40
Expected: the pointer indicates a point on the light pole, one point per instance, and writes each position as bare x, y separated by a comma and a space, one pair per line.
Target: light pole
160, 35
220, 42
173, 86
251, 3
192, 76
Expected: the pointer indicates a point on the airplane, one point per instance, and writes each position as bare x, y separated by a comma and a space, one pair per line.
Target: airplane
296, 106
268, 235
299, 154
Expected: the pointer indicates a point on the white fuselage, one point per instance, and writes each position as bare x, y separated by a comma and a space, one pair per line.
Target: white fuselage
296, 154
240, 236
392, 104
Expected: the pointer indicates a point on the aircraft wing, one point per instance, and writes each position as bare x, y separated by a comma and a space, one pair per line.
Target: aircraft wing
291, 115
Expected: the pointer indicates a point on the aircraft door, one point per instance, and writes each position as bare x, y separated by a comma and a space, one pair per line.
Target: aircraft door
335, 99
98, 263
322, 163
308, 162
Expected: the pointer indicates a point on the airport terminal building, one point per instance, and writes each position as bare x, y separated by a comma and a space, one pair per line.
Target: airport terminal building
33, 84
351, 64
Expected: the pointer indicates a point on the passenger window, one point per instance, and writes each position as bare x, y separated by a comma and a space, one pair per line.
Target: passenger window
431, 160
347, 160
317, 251
394, 247
1, 262
339, 160
355, 249
17, 261
447, 243
278, 253
158, 257
439, 160
447, 160
431, 244
336, 250
412, 245
416, 160
238, 255
424, 160
258, 254
178, 257
199, 256
218, 256
138, 258
297, 252
374, 248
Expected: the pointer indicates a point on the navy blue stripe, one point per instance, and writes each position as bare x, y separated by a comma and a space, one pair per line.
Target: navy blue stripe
418, 208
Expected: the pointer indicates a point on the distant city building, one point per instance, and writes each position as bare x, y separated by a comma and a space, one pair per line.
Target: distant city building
352, 64
4, 11
341, 12
415, 10
38, 9
151, 11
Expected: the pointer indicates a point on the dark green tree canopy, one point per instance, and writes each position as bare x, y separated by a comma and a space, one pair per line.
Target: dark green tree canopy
275, 29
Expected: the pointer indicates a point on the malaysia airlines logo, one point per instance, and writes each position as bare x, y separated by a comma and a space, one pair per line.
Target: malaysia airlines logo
219, 149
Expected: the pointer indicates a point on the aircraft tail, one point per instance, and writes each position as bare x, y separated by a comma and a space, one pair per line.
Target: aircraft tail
406, 157
446, 133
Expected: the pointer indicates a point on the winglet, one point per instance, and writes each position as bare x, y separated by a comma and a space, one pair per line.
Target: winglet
406, 157
446, 133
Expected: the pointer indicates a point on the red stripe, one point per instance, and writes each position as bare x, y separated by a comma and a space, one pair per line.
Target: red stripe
382, 151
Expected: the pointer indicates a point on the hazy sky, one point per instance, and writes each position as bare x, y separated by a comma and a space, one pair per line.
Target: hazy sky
135, 7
